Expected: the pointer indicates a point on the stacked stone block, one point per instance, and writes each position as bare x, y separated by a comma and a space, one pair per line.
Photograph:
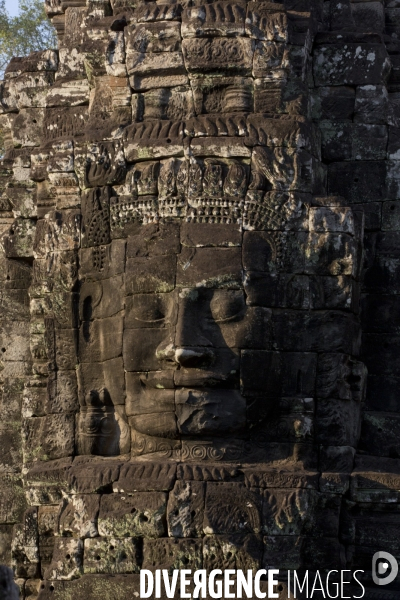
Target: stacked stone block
359, 120
235, 150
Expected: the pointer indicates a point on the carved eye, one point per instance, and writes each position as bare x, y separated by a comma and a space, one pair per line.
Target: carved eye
227, 305
149, 308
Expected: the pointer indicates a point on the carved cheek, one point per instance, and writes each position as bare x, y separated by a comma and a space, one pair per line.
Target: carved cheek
234, 332
144, 348
252, 330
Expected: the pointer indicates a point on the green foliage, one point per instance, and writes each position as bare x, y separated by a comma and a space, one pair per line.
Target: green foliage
30, 30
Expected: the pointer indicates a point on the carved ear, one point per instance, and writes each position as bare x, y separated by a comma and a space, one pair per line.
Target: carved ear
93, 290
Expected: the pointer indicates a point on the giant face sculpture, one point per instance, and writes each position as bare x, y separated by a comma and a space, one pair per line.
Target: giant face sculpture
191, 322
181, 333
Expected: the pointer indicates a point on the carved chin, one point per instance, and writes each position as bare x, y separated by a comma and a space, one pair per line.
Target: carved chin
198, 412
203, 412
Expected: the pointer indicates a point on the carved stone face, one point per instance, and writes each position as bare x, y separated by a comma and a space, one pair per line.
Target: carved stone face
198, 331
199, 337
170, 337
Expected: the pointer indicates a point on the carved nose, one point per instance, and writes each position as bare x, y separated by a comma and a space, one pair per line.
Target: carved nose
193, 357
189, 336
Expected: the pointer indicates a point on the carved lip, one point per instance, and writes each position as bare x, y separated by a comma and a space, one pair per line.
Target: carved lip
204, 379
190, 378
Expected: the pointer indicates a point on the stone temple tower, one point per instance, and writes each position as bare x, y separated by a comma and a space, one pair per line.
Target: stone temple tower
199, 283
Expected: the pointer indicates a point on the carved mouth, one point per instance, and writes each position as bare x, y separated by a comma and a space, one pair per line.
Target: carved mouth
190, 379
205, 379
